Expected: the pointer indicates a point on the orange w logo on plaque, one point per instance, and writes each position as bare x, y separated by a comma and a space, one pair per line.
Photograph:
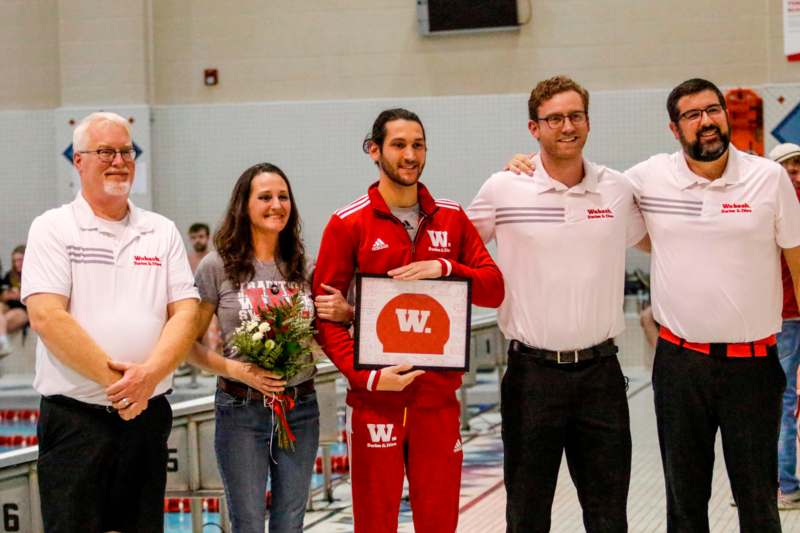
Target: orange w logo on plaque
413, 323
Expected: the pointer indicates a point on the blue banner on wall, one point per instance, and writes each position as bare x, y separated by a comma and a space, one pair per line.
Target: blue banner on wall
788, 130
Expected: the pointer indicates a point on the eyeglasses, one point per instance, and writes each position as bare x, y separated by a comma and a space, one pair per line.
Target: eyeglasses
557, 120
713, 111
107, 155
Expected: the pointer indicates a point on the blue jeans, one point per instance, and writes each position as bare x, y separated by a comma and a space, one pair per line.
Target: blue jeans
242, 442
789, 353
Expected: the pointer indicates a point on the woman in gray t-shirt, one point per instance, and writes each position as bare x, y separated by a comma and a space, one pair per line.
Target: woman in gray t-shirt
259, 260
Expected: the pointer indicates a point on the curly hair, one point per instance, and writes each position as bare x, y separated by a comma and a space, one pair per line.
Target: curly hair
234, 239
550, 87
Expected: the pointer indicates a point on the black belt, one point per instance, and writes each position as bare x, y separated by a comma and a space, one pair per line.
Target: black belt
66, 400
604, 349
242, 391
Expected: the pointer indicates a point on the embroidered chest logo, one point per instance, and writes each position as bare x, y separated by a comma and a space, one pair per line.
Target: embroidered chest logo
146, 260
381, 436
743, 207
439, 241
379, 245
599, 213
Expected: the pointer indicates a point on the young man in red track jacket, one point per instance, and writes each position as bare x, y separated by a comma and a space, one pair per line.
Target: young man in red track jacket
399, 420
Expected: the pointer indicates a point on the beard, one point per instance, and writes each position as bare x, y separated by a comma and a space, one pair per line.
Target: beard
200, 247
706, 152
393, 174
116, 188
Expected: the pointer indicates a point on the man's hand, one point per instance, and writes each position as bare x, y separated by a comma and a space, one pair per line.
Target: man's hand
392, 378
521, 164
131, 411
262, 380
418, 270
129, 395
333, 306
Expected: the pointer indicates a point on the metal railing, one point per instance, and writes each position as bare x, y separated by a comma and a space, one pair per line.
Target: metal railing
192, 467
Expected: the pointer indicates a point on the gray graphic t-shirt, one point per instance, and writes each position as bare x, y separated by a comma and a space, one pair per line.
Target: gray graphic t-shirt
235, 304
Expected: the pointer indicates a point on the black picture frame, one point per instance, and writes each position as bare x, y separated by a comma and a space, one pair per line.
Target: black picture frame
363, 362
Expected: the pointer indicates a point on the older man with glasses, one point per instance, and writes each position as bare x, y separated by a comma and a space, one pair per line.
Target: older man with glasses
111, 295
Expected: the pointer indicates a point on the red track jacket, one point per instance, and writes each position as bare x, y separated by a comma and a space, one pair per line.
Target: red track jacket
364, 236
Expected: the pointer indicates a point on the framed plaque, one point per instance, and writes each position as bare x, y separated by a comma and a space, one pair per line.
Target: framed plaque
424, 323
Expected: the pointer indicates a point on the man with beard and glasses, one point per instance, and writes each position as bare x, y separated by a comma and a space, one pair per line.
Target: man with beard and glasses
718, 219
198, 236
401, 420
561, 238
110, 293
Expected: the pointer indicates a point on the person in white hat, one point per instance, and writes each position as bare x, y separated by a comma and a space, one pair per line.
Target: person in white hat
788, 155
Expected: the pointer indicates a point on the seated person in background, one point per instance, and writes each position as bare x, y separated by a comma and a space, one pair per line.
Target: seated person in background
14, 316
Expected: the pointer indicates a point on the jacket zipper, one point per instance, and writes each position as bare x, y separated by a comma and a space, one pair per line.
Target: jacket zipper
414, 242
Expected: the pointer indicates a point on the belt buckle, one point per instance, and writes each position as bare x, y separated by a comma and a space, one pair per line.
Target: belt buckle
574, 354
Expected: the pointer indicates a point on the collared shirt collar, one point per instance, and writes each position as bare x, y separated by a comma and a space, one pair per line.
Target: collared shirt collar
544, 182
88, 220
686, 178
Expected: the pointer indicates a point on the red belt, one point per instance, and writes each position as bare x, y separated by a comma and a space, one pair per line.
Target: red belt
735, 349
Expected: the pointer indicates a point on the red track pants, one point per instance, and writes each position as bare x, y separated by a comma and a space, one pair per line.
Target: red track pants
422, 442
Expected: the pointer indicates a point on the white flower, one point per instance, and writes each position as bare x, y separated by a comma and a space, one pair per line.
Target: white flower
269, 344
264, 327
251, 325
257, 336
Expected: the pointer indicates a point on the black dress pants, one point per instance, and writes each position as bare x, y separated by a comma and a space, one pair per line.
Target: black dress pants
696, 394
578, 409
100, 473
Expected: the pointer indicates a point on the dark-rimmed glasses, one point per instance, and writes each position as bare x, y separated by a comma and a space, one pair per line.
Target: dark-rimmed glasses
556, 120
107, 155
713, 111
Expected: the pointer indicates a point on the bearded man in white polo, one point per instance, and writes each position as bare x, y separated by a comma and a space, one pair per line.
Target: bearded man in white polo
110, 293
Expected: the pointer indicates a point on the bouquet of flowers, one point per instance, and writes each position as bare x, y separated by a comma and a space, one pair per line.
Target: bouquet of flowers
279, 340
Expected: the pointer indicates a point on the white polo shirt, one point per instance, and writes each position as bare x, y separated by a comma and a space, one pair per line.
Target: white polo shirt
715, 266
562, 253
118, 289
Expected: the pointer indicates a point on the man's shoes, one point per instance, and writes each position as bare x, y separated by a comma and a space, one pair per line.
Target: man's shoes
788, 502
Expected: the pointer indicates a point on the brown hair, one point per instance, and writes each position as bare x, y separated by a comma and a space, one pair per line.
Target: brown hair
546, 89
378, 133
14, 275
692, 86
233, 239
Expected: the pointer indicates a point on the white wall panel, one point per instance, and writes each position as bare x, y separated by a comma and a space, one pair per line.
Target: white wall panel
27, 174
199, 151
